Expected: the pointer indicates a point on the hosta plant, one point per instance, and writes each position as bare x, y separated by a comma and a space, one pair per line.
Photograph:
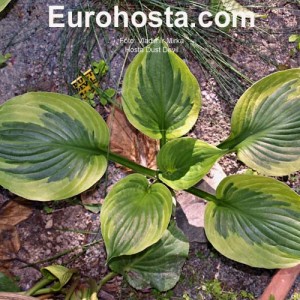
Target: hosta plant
54, 146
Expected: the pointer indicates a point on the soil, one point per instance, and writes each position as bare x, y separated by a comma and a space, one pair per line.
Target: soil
38, 64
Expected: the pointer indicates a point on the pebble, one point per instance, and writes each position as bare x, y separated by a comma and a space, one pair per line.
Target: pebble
49, 224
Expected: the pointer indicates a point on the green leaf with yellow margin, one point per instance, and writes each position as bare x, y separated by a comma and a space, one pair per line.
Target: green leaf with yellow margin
134, 216
184, 162
266, 125
255, 220
158, 266
52, 146
161, 97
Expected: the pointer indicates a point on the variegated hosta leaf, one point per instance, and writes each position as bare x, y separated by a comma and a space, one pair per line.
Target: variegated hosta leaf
161, 97
134, 215
255, 221
266, 125
159, 266
52, 146
183, 162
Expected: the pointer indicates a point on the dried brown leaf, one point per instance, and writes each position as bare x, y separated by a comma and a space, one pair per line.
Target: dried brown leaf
9, 242
14, 212
11, 213
129, 142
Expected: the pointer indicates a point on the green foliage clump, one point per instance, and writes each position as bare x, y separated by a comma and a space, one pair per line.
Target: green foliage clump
213, 288
59, 146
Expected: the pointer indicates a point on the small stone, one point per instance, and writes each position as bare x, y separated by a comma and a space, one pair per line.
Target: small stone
190, 217
191, 209
49, 224
59, 239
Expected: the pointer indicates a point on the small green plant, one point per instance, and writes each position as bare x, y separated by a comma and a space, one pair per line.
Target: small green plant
4, 59
296, 296
200, 255
105, 97
186, 296
87, 85
54, 146
100, 68
214, 289
246, 295
162, 296
295, 38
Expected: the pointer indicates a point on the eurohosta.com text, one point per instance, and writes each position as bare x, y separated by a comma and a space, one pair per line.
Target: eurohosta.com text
59, 17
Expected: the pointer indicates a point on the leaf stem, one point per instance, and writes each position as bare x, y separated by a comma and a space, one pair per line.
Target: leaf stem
131, 165
105, 279
154, 174
202, 194
231, 144
39, 285
43, 291
72, 289
163, 140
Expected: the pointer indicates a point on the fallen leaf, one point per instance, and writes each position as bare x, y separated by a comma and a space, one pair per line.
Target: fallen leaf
129, 142
10, 243
14, 212
11, 213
